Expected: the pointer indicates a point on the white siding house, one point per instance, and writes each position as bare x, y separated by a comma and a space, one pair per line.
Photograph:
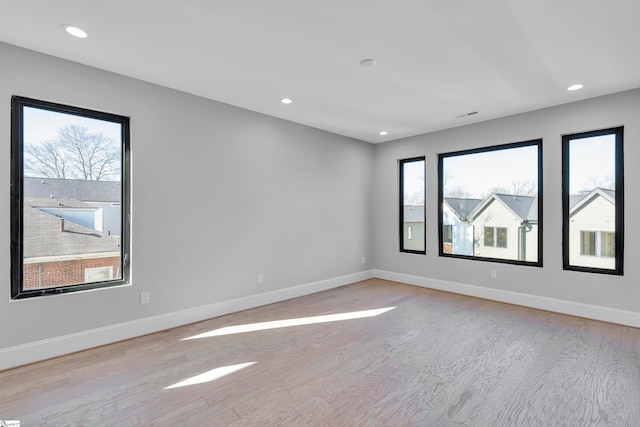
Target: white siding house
457, 230
592, 229
413, 223
506, 227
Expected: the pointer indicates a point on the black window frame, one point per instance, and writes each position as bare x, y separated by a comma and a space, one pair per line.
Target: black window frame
401, 164
442, 156
618, 133
18, 103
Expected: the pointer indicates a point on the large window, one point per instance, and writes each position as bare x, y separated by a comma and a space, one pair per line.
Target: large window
69, 198
412, 196
490, 203
593, 199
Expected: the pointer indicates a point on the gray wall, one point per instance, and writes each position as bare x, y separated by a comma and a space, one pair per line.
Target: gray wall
220, 194
549, 281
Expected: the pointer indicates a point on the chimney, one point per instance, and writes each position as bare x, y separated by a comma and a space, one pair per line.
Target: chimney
61, 225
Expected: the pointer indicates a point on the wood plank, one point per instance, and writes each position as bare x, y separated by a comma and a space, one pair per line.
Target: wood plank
436, 359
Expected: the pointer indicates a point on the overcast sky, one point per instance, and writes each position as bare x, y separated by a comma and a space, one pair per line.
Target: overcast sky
42, 125
478, 173
592, 162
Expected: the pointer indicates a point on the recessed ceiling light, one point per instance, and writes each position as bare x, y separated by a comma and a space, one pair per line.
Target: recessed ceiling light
383, 133
575, 87
368, 62
75, 31
286, 100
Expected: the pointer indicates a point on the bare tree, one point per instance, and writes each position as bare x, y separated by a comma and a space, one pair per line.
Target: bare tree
608, 182
46, 159
76, 154
458, 193
518, 188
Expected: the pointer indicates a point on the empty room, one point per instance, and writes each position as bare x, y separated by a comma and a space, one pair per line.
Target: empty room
340, 213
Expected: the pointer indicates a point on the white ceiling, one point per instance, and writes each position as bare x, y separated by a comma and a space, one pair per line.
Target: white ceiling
435, 59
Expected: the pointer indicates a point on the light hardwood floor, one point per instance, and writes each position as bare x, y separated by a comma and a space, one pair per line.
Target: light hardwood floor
436, 359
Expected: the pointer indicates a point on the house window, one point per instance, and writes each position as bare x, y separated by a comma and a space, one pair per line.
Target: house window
608, 244
98, 274
447, 233
593, 199
597, 243
495, 236
588, 245
490, 195
501, 237
69, 198
489, 236
412, 205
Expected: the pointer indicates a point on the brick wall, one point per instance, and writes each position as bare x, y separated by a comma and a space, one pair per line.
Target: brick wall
58, 273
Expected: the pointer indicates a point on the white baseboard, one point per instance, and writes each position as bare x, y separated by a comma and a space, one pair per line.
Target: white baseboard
595, 312
45, 349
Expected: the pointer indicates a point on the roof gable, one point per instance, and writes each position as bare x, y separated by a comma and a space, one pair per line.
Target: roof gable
608, 195
462, 207
525, 208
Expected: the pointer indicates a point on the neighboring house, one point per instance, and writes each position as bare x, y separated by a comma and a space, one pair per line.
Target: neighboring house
592, 227
457, 231
71, 233
57, 251
506, 227
105, 196
413, 223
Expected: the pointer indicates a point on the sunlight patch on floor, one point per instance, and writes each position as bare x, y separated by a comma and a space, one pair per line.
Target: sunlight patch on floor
252, 327
211, 375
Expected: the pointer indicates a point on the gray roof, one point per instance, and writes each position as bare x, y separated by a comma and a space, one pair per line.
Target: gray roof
72, 189
526, 207
574, 199
462, 207
413, 213
56, 203
610, 193
42, 237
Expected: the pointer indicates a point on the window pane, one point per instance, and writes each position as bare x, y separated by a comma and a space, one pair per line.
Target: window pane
491, 195
502, 237
608, 248
488, 236
70, 203
447, 233
592, 201
588, 243
412, 211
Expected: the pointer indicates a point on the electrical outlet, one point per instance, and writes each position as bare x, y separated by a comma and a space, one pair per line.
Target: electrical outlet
260, 278
494, 274
144, 297
363, 260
